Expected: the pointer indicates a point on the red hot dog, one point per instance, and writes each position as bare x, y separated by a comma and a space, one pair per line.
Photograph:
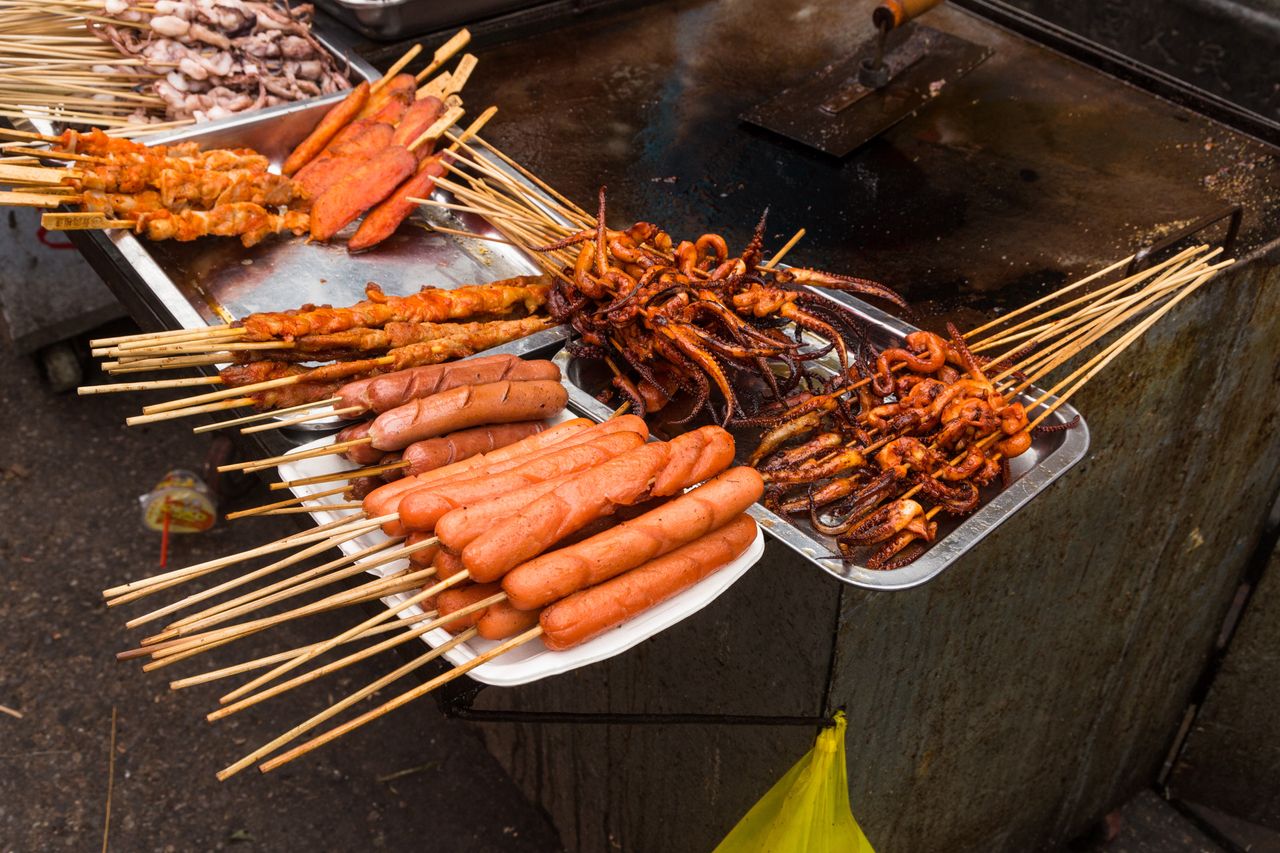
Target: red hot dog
422, 508
623, 481
593, 611
362, 454
560, 573
455, 599
386, 392
432, 453
500, 621
464, 407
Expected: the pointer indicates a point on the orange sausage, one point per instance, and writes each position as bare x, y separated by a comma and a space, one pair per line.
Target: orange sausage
360, 189
593, 611
500, 621
459, 597
383, 220
467, 406
338, 117
383, 500
424, 558
561, 573
422, 508
366, 139
385, 392
623, 481
362, 454
432, 453
447, 564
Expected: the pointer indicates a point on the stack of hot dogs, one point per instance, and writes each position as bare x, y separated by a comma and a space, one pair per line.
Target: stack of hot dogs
581, 525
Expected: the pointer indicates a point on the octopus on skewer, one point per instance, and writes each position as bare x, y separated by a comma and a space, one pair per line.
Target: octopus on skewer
670, 318
926, 426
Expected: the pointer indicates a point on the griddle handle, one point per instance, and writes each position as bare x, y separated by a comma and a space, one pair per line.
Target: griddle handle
895, 13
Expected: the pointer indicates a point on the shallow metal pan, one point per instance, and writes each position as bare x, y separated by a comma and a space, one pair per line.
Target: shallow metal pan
1050, 456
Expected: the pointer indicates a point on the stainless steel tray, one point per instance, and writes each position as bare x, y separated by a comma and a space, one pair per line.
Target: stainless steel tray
216, 280
1050, 456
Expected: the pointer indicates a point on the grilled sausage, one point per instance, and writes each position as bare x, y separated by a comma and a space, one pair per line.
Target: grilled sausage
389, 390
420, 509
591, 612
578, 500
383, 501
424, 558
362, 454
339, 116
417, 120
464, 407
391, 101
432, 453
560, 573
500, 621
455, 599
447, 564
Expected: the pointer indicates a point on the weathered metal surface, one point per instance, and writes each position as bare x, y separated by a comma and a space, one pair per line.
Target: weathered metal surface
1232, 756
1039, 682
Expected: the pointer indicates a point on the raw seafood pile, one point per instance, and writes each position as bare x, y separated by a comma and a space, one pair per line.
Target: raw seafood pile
215, 58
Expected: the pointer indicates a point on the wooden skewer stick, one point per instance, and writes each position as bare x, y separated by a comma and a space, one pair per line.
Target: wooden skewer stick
333, 413
161, 339
153, 385
88, 221
1099, 296
171, 363
197, 347
26, 199
332, 529
262, 510
379, 588
1038, 302
191, 646
401, 700
389, 613
342, 705
340, 475
147, 336
294, 510
259, 663
195, 598
581, 215
355, 657
262, 416
444, 53
459, 233
272, 461
252, 388
464, 208
221, 562
395, 69
174, 414
50, 154
786, 247
336, 570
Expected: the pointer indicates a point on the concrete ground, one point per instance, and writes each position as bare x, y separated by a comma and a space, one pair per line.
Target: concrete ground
70, 475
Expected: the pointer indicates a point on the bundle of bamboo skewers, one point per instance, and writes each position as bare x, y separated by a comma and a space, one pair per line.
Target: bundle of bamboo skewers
1081, 329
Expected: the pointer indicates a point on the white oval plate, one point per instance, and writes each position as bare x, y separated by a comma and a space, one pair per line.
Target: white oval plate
533, 660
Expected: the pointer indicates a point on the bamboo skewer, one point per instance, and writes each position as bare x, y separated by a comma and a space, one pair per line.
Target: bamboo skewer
340, 475
786, 247
342, 705
355, 657
252, 388
172, 414
153, 385
271, 461
212, 565
196, 597
385, 615
171, 334
261, 510
334, 413
263, 416
401, 700
395, 69
331, 572
260, 663
444, 53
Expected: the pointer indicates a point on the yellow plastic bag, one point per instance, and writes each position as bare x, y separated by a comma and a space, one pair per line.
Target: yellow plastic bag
807, 811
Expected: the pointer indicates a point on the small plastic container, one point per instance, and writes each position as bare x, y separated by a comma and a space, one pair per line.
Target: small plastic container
183, 499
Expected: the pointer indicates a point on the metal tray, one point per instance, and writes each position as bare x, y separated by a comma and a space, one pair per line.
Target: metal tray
217, 280
1050, 456
389, 20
